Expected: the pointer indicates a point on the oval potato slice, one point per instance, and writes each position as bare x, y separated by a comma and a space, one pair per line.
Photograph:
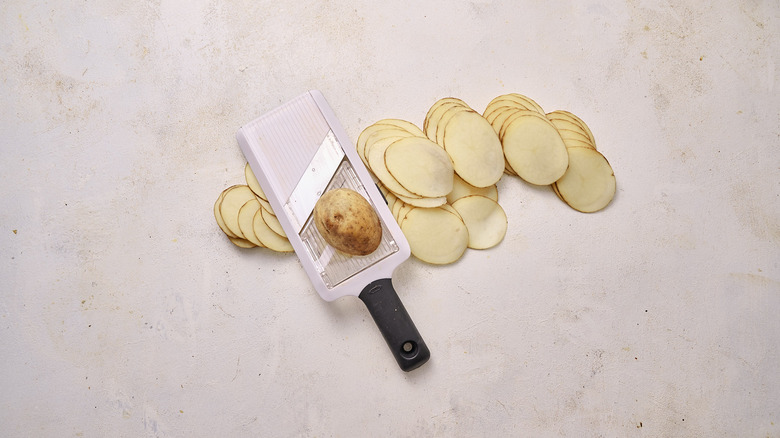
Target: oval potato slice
267, 236
242, 243
474, 148
246, 216
273, 222
234, 199
572, 117
589, 183
376, 160
253, 183
535, 150
218, 215
438, 131
461, 189
420, 166
405, 125
484, 218
435, 235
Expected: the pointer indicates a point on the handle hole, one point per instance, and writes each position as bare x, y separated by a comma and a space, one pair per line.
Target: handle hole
409, 349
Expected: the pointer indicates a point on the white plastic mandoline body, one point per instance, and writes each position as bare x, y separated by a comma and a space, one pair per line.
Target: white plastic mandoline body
297, 152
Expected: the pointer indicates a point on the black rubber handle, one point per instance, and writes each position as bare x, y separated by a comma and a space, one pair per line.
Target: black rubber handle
394, 322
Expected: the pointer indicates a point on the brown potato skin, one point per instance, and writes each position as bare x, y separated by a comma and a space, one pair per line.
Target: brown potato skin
347, 222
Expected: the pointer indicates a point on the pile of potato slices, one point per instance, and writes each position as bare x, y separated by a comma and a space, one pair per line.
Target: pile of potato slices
243, 213
512, 136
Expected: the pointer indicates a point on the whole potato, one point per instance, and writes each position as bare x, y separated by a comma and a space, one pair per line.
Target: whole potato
347, 222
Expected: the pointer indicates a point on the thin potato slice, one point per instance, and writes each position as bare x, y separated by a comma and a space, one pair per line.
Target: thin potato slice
388, 132
527, 101
439, 130
376, 161
498, 121
405, 125
535, 150
484, 218
436, 111
234, 199
435, 235
573, 118
402, 212
491, 115
474, 148
253, 183
266, 205
242, 243
589, 183
246, 216
496, 105
218, 215
273, 222
267, 236
420, 166
424, 202
461, 189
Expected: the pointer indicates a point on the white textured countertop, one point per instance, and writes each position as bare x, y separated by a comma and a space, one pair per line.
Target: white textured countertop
125, 311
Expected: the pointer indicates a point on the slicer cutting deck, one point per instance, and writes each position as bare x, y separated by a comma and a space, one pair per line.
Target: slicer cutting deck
299, 151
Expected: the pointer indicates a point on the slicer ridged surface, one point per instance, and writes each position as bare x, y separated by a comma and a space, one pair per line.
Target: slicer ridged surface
288, 138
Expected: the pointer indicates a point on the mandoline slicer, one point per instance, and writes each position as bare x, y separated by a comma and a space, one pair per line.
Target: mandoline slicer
299, 151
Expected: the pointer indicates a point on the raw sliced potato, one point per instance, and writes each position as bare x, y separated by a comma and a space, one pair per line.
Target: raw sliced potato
485, 220
435, 110
232, 202
376, 160
424, 202
267, 236
433, 122
474, 148
435, 235
218, 215
420, 166
273, 222
527, 101
439, 130
535, 150
589, 183
253, 183
403, 124
246, 216
573, 118
393, 132
242, 243
461, 189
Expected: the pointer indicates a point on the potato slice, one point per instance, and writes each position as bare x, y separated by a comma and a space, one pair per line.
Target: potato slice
376, 160
234, 199
267, 236
405, 125
461, 189
589, 183
273, 222
484, 218
420, 166
438, 131
246, 216
534, 149
498, 121
387, 132
435, 235
242, 243
424, 202
561, 114
435, 113
253, 183
218, 215
474, 148
527, 101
